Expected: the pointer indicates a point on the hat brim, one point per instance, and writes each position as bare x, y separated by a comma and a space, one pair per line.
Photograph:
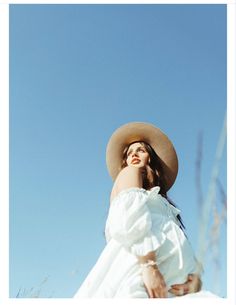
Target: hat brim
140, 131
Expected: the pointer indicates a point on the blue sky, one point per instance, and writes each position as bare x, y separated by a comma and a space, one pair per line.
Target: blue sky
78, 72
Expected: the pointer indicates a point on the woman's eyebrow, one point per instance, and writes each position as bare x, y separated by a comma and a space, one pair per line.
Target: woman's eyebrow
129, 150
137, 148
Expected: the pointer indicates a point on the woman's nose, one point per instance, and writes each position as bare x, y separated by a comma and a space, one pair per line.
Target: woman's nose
134, 153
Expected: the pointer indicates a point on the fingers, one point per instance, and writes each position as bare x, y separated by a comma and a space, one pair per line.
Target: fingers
193, 284
149, 292
190, 277
160, 293
179, 290
156, 293
164, 293
183, 287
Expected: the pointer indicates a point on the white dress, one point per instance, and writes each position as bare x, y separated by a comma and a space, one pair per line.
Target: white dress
140, 221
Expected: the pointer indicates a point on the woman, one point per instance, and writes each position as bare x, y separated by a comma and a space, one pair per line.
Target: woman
147, 253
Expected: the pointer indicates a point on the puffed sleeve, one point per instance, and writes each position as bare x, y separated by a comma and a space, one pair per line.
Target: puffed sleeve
130, 223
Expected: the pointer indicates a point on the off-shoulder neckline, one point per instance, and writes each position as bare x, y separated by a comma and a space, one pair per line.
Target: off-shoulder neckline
138, 189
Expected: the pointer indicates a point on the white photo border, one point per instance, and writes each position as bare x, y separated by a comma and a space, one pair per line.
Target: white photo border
4, 156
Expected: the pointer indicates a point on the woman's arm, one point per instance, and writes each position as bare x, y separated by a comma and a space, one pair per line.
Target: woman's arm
152, 278
128, 177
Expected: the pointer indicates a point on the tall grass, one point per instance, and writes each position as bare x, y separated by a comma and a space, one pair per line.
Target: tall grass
33, 292
212, 212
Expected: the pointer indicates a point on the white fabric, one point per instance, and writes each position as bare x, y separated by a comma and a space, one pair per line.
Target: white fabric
139, 221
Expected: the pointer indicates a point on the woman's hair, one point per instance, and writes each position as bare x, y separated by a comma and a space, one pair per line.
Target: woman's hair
156, 176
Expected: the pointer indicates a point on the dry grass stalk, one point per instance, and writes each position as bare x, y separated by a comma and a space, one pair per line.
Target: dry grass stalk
211, 219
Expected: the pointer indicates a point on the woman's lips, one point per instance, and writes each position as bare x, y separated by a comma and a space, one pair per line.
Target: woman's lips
135, 160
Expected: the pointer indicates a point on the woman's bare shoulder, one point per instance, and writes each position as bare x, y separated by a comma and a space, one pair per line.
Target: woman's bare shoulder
128, 177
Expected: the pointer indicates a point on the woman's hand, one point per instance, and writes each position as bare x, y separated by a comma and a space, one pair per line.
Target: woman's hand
193, 284
154, 282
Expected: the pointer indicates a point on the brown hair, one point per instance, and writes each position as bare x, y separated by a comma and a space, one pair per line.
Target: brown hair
156, 175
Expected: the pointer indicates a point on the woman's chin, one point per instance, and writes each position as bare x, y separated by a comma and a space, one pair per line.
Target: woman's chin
138, 165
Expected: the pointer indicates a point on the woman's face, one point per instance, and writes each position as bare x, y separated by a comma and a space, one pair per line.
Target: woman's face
137, 155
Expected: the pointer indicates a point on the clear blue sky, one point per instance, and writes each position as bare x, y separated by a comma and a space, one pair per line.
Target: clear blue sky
77, 72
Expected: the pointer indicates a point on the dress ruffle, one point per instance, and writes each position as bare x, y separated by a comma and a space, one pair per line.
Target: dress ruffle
130, 222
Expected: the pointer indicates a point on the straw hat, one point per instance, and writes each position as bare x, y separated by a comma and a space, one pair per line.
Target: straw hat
140, 131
